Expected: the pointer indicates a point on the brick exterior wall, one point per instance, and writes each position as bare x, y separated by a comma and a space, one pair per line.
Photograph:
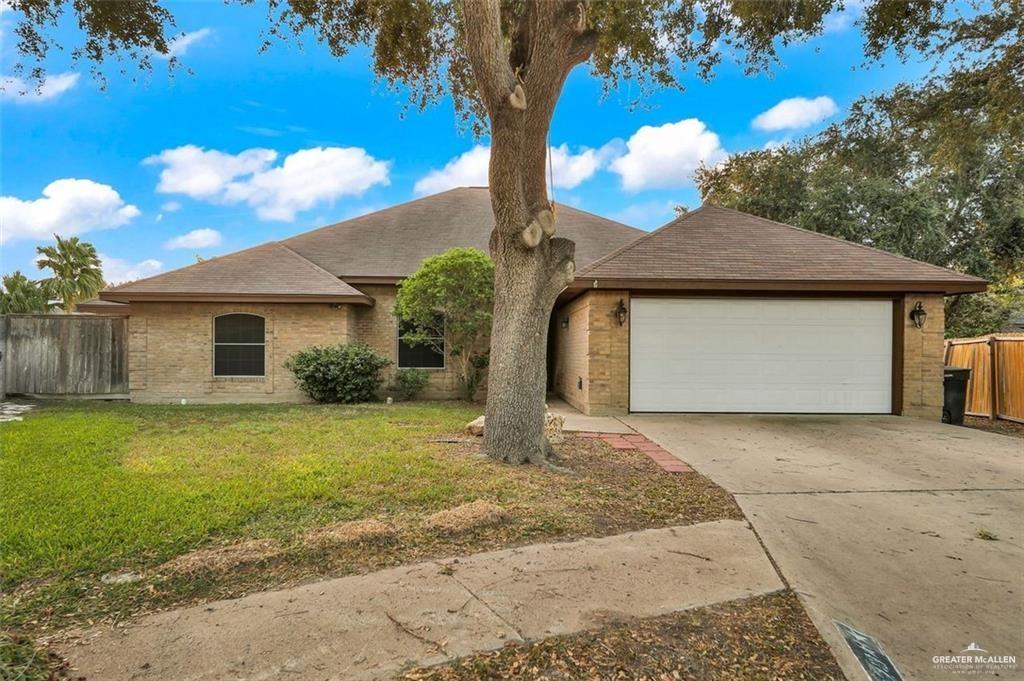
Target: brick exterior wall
923, 358
170, 354
170, 351
570, 370
596, 349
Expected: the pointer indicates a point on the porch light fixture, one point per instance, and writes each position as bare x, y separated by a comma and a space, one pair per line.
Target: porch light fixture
918, 315
620, 312
565, 322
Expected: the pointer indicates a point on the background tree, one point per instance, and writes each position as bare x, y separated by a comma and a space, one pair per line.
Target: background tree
934, 172
452, 293
504, 62
21, 295
77, 273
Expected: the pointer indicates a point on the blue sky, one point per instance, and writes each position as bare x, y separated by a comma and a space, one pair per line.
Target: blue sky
253, 147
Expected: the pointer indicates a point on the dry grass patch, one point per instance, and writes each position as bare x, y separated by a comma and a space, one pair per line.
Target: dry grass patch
223, 559
766, 637
467, 518
369, 531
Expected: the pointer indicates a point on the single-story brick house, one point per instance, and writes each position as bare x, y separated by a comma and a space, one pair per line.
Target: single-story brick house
717, 311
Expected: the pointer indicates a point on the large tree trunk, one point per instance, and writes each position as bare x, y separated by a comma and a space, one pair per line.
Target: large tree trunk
520, 86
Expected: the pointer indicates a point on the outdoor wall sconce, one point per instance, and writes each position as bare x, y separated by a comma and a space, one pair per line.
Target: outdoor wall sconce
620, 312
918, 315
565, 322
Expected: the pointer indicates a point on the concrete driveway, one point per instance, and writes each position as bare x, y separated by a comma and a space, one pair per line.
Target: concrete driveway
876, 522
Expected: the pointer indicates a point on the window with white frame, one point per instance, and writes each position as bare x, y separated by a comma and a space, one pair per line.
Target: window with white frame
239, 344
426, 355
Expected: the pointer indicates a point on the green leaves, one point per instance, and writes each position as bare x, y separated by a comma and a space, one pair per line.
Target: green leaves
927, 172
21, 295
346, 373
458, 287
77, 273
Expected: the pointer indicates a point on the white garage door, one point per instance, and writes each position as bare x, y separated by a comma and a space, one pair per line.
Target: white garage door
761, 355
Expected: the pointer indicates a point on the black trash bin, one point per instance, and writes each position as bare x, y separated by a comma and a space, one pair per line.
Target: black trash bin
954, 385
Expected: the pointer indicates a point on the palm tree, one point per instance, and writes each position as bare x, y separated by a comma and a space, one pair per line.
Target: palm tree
21, 295
77, 274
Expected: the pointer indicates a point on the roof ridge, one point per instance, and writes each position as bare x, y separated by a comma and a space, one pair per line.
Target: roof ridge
204, 261
372, 213
945, 270
632, 244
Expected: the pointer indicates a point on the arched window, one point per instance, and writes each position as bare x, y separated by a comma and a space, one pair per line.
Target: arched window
238, 345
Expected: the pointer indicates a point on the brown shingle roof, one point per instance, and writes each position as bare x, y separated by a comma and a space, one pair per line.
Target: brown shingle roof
266, 273
715, 247
394, 241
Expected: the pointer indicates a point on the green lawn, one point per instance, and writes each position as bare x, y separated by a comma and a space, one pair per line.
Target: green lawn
164, 491
88, 488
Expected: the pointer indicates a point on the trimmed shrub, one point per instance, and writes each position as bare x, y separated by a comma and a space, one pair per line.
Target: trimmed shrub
409, 383
347, 373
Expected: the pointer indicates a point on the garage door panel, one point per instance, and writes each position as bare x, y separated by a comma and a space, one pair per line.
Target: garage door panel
761, 355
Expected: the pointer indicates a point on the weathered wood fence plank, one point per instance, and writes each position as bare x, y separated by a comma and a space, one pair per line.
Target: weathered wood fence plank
996, 387
65, 355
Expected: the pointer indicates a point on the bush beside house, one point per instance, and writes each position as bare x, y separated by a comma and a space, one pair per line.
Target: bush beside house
345, 373
409, 383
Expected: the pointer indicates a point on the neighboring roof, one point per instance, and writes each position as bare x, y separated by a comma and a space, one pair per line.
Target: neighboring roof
271, 272
393, 242
97, 306
719, 248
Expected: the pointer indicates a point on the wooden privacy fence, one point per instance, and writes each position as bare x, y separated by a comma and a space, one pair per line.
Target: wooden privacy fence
64, 355
996, 386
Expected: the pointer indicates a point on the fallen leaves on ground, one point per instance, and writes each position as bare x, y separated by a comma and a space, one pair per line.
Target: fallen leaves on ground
766, 637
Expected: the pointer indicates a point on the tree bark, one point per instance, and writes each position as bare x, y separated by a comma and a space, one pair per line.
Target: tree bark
520, 85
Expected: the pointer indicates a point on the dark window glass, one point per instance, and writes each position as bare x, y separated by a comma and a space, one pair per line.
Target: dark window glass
238, 345
238, 328
420, 356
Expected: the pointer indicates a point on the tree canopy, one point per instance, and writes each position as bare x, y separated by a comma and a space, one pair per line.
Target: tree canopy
21, 295
420, 46
453, 291
934, 172
77, 272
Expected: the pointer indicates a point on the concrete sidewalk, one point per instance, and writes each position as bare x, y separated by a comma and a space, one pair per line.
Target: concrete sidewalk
372, 626
576, 421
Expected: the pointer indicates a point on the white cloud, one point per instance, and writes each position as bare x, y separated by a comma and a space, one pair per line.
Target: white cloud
23, 92
303, 180
843, 19
647, 215
204, 174
795, 112
466, 170
570, 170
667, 155
178, 46
470, 168
307, 178
775, 145
170, 207
197, 238
118, 271
68, 206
